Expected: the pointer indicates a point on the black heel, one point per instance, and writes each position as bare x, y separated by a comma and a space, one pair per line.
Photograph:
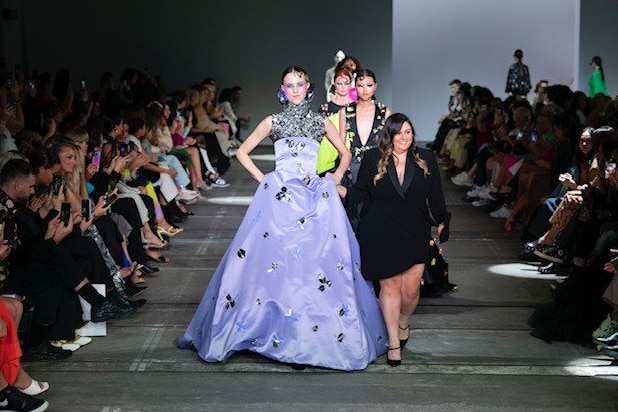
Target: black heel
393, 362
402, 342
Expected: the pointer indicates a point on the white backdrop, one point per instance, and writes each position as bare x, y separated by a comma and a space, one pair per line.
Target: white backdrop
435, 41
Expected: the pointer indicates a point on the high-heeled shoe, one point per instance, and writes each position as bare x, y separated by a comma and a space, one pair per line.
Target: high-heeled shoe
169, 232
393, 362
402, 342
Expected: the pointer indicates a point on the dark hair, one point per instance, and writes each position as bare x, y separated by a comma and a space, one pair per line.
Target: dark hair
44, 158
392, 127
296, 70
361, 74
599, 62
225, 95
518, 53
135, 123
454, 81
15, 169
109, 122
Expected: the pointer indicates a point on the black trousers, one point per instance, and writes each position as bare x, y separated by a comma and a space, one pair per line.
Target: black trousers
50, 287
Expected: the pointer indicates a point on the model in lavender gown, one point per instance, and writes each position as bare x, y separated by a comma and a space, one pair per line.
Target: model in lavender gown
289, 287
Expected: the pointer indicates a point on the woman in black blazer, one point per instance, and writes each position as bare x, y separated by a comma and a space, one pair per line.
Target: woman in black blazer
400, 188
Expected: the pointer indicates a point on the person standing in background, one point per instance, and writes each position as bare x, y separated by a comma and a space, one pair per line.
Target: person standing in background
518, 80
329, 76
596, 83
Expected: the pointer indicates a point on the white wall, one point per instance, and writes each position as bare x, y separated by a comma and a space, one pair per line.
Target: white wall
435, 41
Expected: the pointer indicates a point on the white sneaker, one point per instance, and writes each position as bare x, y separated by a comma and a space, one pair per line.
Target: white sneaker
220, 182
480, 202
186, 194
474, 192
502, 213
202, 187
488, 193
231, 152
462, 179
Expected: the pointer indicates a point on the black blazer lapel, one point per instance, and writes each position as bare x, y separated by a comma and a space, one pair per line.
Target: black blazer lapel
409, 174
392, 174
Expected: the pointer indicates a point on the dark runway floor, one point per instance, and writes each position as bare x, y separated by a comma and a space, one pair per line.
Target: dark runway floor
468, 351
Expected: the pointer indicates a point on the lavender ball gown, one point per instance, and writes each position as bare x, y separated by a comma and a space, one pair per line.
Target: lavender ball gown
289, 287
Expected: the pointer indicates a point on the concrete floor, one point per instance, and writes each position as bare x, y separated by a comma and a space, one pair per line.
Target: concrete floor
470, 350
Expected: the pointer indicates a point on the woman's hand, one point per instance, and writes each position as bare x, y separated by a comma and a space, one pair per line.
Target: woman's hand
5, 250
441, 227
85, 224
36, 203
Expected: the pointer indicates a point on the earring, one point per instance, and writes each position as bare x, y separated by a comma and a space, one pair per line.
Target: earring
309, 95
283, 99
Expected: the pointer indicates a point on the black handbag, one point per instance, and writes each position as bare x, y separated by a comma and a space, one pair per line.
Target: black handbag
435, 278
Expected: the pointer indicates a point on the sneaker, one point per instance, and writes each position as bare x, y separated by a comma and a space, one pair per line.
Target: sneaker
462, 179
231, 152
607, 328
45, 352
203, 186
480, 202
475, 191
11, 399
65, 344
186, 194
552, 253
220, 182
610, 338
502, 213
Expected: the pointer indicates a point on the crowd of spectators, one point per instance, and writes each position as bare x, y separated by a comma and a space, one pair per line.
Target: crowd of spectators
94, 184
547, 168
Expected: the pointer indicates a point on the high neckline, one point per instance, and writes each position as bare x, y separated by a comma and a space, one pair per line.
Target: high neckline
297, 109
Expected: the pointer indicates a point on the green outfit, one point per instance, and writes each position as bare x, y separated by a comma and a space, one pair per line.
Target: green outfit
597, 84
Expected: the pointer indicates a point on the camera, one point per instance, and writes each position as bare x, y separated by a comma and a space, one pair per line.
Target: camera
65, 213
179, 115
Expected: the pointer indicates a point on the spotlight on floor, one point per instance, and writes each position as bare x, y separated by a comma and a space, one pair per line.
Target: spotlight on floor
521, 270
230, 200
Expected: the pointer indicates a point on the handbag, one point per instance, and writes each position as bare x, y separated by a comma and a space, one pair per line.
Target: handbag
435, 280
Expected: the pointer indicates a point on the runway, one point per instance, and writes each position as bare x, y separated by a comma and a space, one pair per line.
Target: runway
468, 351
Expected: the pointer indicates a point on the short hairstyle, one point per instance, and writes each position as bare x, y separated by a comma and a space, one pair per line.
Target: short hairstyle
15, 169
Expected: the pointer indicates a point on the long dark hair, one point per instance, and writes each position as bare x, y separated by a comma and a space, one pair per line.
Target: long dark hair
392, 127
599, 62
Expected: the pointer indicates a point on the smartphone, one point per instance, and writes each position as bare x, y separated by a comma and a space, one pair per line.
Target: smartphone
109, 200
123, 149
86, 209
82, 84
114, 150
112, 184
96, 158
55, 186
65, 213
609, 168
9, 230
32, 85
179, 115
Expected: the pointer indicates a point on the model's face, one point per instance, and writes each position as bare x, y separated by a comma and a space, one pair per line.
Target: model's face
454, 89
585, 142
295, 86
403, 140
67, 160
342, 85
366, 88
